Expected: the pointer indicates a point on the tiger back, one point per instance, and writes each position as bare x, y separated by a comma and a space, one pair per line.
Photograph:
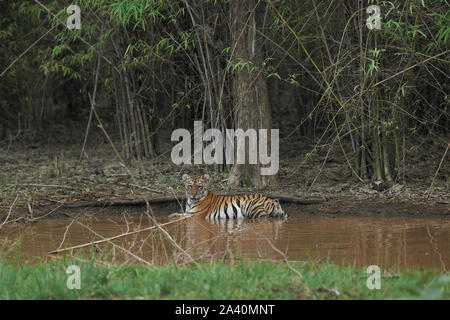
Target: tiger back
201, 202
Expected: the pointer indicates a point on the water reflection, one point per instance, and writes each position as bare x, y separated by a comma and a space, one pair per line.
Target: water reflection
387, 242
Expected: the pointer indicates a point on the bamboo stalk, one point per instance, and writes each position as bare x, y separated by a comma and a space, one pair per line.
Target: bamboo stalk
439, 168
386, 162
97, 72
376, 146
135, 134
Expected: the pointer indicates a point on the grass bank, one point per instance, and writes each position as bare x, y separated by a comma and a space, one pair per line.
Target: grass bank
216, 280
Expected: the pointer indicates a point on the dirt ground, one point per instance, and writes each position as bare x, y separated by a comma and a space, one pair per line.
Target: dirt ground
36, 178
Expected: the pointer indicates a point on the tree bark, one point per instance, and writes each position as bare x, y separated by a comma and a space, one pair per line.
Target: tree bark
250, 96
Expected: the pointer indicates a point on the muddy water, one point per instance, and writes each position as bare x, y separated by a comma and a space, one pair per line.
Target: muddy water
387, 242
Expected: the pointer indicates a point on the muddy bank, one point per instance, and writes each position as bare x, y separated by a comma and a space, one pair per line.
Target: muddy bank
375, 208
380, 208
33, 182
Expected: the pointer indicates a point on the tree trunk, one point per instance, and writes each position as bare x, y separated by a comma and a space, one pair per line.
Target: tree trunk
250, 96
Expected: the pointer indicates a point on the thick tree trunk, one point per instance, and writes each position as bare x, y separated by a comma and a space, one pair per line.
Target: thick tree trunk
251, 101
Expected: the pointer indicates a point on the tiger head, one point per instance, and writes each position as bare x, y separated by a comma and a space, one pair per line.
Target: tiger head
196, 187
277, 210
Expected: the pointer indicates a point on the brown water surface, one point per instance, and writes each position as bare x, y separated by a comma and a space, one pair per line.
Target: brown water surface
387, 242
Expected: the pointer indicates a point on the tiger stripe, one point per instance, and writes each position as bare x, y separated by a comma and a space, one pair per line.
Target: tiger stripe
211, 206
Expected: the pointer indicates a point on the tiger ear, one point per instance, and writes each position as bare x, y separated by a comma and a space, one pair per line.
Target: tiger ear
185, 177
206, 177
276, 201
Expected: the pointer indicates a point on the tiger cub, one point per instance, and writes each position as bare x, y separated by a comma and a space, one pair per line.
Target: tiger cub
212, 206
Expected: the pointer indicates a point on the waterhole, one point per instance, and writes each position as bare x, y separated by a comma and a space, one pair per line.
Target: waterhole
389, 242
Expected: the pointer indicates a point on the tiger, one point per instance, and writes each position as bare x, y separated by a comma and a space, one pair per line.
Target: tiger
201, 202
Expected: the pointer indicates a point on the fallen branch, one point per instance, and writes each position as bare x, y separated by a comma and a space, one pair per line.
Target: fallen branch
9, 213
123, 203
294, 199
48, 213
115, 237
285, 259
163, 230
115, 245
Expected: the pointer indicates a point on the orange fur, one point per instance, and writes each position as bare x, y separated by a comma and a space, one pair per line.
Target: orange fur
203, 203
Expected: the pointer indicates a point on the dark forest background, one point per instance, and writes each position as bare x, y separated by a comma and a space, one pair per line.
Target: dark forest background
313, 69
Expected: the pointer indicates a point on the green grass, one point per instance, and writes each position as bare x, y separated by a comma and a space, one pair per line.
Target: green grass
217, 280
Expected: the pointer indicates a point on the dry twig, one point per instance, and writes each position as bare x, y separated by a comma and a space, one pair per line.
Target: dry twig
114, 237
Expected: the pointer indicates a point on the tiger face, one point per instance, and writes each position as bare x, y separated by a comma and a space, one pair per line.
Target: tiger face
277, 210
196, 187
